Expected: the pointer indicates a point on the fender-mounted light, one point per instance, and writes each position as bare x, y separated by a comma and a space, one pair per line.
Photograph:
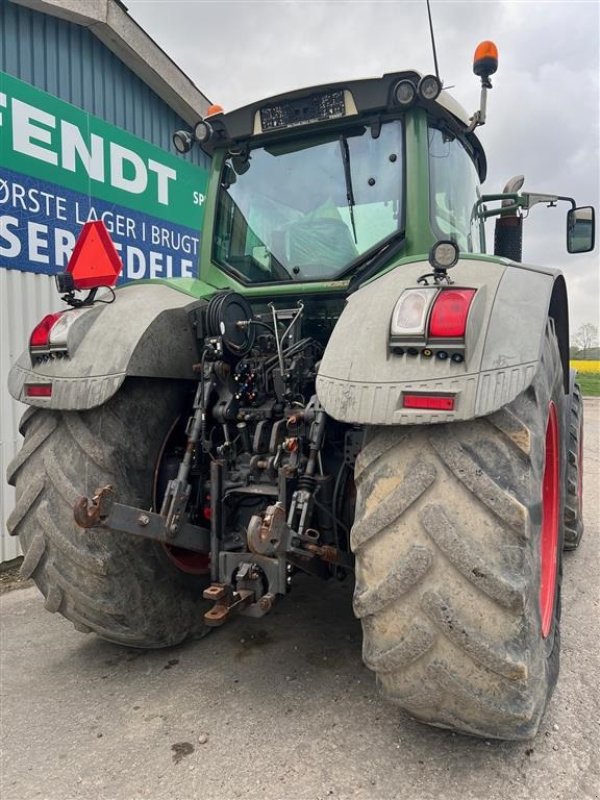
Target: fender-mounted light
429, 402
51, 334
444, 255
38, 390
40, 335
448, 319
60, 330
409, 317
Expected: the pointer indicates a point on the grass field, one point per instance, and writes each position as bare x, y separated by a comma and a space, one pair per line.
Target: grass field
588, 377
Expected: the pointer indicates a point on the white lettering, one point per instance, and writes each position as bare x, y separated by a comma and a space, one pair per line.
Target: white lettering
73, 145
26, 132
156, 266
136, 263
61, 208
119, 156
64, 242
35, 242
14, 245
164, 175
19, 196
187, 268
118, 224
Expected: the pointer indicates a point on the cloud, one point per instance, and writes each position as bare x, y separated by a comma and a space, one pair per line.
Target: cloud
543, 112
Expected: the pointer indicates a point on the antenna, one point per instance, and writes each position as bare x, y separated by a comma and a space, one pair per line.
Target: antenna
435, 61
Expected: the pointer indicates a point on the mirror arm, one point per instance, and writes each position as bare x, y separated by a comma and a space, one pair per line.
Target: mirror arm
530, 200
514, 205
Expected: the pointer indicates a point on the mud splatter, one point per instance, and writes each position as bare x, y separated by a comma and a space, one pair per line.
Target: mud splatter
181, 750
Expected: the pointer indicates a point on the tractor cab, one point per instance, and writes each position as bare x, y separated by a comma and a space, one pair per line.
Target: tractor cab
312, 185
328, 184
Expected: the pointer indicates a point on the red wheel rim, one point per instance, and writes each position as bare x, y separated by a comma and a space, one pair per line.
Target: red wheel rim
550, 522
580, 466
187, 560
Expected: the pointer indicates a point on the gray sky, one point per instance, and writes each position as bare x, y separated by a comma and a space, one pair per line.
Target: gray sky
543, 113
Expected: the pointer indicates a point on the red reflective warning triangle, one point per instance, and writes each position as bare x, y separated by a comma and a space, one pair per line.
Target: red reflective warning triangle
95, 261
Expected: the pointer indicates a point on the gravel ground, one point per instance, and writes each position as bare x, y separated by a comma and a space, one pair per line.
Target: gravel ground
278, 708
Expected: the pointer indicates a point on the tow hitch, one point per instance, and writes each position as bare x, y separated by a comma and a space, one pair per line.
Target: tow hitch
247, 583
101, 511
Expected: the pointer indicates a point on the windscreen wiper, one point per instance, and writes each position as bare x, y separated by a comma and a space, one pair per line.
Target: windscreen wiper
370, 263
348, 177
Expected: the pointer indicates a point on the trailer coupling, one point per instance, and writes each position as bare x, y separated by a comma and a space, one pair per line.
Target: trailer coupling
243, 582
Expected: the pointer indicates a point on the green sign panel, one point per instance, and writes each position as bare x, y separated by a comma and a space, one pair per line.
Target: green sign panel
60, 167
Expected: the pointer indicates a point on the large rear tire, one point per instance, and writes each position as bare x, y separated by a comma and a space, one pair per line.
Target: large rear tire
458, 537
574, 491
122, 587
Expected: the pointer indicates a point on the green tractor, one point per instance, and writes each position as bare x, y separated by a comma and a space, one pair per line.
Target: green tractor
352, 386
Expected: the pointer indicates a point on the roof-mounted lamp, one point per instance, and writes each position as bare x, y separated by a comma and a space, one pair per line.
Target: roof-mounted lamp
485, 64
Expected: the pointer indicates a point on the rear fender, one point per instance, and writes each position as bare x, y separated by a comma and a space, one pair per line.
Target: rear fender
147, 331
362, 381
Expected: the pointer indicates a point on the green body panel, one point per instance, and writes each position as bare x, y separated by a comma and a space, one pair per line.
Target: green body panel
419, 235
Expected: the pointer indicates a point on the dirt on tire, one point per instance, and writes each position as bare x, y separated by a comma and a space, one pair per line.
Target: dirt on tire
574, 489
447, 544
122, 587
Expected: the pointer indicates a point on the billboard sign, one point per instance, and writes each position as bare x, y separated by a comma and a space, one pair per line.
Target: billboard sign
61, 167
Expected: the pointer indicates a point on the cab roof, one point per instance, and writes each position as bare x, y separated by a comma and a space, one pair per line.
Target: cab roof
303, 109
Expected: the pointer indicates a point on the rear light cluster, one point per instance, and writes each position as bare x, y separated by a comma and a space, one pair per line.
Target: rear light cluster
432, 323
51, 334
431, 313
40, 336
448, 319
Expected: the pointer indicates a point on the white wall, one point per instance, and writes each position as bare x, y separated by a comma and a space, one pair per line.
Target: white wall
24, 299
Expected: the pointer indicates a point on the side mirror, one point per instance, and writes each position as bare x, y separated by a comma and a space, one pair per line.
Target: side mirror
581, 230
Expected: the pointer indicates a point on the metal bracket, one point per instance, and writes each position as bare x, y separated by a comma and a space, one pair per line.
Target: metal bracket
102, 512
227, 603
243, 598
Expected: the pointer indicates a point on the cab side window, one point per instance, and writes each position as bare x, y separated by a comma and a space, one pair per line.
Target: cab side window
453, 192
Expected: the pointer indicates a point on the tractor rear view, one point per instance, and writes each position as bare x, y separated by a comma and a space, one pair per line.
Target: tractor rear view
352, 385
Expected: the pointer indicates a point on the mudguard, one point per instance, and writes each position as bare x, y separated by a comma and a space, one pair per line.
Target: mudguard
146, 332
361, 379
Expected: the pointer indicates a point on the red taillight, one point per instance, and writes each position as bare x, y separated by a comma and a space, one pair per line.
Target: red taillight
429, 402
448, 318
38, 390
40, 336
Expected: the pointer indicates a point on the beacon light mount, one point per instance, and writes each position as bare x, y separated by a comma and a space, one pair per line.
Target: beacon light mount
485, 64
